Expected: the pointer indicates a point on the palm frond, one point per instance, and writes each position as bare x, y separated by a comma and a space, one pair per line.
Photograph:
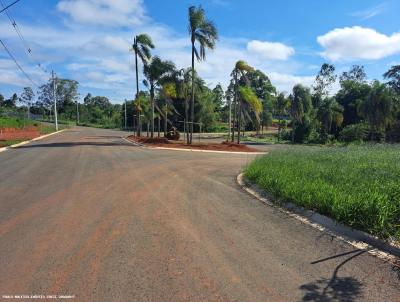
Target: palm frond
248, 96
196, 53
196, 18
144, 39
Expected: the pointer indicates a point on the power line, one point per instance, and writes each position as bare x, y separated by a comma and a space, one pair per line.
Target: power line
16, 62
21, 37
9, 6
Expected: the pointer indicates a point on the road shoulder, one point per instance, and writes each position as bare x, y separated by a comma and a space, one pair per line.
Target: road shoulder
356, 238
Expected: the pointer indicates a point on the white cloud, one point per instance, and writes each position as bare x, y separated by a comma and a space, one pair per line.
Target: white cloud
370, 12
270, 50
104, 12
352, 43
285, 82
100, 60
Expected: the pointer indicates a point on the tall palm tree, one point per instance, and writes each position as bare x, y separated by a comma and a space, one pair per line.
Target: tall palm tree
142, 44
240, 73
379, 109
205, 33
301, 106
281, 105
169, 92
330, 114
155, 71
248, 102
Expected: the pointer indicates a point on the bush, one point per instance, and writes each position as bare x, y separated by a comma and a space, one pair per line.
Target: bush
303, 131
393, 135
353, 133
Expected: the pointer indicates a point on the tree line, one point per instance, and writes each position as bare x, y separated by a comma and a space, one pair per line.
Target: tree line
359, 110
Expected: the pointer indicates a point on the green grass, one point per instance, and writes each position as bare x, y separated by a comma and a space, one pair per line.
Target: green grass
9, 143
9, 122
43, 127
356, 185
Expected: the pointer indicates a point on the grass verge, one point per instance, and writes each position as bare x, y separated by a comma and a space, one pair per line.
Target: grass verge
356, 185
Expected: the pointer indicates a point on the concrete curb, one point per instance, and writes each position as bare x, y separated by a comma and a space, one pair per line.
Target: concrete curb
192, 150
209, 151
29, 141
358, 239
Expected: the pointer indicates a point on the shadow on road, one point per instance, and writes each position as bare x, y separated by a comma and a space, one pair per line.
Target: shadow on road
336, 288
76, 144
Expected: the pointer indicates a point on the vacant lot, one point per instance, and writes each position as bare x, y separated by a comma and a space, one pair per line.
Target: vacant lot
357, 185
15, 130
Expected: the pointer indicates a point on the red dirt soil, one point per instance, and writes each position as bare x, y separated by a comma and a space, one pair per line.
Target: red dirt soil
163, 142
19, 134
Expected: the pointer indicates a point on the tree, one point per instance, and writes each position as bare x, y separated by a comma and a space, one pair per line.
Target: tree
205, 33
249, 102
26, 98
12, 101
329, 114
168, 92
378, 109
301, 107
261, 84
142, 44
354, 90
323, 82
393, 75
154, 72
281, 106
240, 79
218, 97
356, 74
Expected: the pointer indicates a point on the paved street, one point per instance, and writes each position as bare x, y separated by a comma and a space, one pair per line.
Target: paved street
85, 213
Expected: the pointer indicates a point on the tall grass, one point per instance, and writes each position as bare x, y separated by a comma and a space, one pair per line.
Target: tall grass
356, 185
11, 122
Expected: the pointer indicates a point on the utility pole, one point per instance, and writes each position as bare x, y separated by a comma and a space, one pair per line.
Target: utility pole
55, 100
230, 118
77, 112
125, 116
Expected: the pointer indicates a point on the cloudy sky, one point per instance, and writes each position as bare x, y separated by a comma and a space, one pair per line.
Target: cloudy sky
89, 40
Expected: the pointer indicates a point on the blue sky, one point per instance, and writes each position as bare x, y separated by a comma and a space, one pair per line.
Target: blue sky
89, 40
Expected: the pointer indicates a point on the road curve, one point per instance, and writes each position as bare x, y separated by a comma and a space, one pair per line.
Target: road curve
85, 213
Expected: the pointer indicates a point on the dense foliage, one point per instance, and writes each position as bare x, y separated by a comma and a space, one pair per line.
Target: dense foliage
360, 110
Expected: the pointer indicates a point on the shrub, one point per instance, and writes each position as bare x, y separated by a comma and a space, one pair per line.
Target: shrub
393, 135
355, 132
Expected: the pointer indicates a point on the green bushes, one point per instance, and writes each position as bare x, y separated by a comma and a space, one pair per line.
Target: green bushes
9, 122
356, 185
355, 132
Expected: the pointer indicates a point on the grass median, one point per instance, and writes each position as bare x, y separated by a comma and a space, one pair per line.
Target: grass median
356, 185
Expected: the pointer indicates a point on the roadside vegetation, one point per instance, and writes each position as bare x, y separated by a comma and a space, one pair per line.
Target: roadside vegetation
14, 130
356, 185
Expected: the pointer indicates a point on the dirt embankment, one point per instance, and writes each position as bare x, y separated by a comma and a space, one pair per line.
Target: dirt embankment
19, 134
163, 142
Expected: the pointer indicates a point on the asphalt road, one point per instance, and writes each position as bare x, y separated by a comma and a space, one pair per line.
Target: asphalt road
85, 213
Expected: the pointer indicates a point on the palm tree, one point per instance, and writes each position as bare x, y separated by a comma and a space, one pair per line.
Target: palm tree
240, 73
281, 106
378, 108
168, 92
330, 114
205, 33
393, 74
155, 71
248, 102
300, 106
142, 44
